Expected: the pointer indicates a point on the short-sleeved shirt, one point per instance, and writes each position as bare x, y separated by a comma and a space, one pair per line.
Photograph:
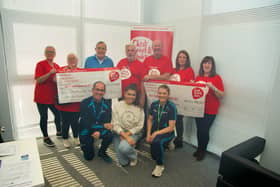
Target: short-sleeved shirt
131, 72
94, 115
185, 75
162, 114
92, 62
212, 103
45, 92
159, 66
69, 107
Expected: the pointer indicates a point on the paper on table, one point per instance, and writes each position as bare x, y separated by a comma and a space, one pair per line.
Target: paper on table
6, 150
15, 173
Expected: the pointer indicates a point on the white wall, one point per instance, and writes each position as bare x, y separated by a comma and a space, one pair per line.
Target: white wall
184, 16
245, 43
70, 26
271, 155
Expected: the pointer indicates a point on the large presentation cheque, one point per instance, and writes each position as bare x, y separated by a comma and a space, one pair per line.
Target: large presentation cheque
188, 97
76, 86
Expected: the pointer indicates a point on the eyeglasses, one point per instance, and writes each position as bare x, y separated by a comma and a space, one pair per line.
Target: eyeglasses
99, 90
50, 51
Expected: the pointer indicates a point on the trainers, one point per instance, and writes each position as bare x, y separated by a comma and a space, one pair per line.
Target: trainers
66, 143
157, 172
48, 142
59, 135
105, 157
133, 162
76, 141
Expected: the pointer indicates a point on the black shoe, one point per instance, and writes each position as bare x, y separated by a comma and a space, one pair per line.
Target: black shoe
195, 153
48, 142
59, 135
200, 155
178, 145
105, 157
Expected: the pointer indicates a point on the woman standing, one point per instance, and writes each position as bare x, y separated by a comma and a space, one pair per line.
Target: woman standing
45, 92
70, 112
182, 73
160, 127
207, 74
127, 120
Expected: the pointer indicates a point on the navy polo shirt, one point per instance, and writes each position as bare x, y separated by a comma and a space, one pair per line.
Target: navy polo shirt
162, 114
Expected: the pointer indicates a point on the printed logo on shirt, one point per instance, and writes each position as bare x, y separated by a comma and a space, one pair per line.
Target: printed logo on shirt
175, 77
128, 118
113, 76
154, 71
125, 73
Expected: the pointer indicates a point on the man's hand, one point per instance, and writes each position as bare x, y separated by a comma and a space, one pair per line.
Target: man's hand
96, 135
108, 126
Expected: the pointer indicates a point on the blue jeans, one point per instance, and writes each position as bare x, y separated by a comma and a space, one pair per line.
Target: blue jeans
125, 152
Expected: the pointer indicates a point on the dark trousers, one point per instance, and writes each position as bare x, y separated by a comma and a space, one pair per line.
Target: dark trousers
43, 111
179, 130
157, 146
87, 143
203, 127
70, 119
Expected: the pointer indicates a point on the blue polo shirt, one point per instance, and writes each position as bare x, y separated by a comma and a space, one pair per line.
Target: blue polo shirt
162, 114
92, 62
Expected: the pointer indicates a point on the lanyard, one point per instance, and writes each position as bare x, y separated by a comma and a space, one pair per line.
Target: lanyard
97, 116
159, 114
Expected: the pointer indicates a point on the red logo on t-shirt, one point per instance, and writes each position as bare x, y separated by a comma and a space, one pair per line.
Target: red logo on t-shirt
114, 75
197, 93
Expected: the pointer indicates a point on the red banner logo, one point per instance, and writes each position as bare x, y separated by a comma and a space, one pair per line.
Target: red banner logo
143, 46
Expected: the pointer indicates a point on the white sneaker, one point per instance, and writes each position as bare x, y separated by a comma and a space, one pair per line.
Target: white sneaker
66, 143
133, 162
157, 172
76, 141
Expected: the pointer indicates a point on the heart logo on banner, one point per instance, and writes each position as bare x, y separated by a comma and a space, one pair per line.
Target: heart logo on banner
197, 93
114, 75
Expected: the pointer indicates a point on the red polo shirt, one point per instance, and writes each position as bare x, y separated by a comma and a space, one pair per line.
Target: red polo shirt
212, 103
185, 75
45, 92
157, 66
131, 72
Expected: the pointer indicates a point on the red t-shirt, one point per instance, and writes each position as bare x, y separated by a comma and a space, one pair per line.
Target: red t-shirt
212, 103
185, 75
71, 107
131, 72
159, 66
45, 92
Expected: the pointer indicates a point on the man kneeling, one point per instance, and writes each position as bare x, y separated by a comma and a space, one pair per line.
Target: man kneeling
95, 123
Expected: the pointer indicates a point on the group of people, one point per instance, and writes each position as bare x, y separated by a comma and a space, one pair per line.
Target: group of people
125, 122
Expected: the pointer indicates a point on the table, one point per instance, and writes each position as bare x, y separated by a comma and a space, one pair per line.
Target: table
26, 147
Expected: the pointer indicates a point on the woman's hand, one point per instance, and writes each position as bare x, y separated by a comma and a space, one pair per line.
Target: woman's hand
154, 135
130, 140
149, 139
